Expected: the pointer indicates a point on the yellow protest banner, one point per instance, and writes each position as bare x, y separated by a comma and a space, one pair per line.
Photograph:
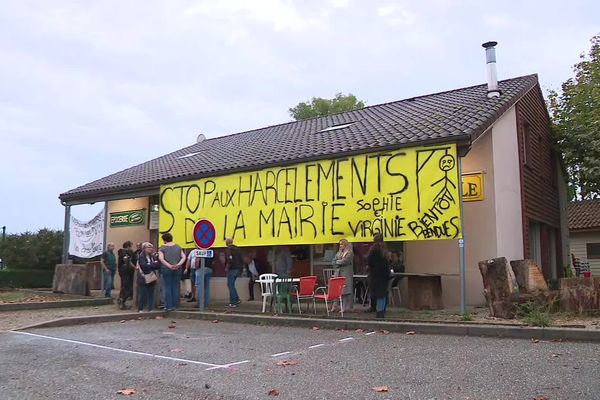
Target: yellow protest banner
405, 194
472, 184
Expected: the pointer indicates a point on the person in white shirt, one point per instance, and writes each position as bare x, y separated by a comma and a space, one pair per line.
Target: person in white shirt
194, 260
190, 268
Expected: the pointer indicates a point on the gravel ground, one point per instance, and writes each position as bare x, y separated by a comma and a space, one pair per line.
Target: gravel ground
340, 364
15, 319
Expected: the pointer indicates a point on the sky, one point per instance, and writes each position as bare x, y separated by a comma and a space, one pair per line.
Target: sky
91, 88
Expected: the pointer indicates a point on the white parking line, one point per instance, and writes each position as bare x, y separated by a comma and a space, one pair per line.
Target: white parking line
346, 339
139, 353
370, 333
228, 365
280, 354
314, 346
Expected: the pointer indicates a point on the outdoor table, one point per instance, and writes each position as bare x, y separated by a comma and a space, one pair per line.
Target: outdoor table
424, 289
283, 280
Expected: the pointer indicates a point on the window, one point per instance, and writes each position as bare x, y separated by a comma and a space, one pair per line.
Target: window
593, 251
334, 127
189, 155
527, 156
535, 250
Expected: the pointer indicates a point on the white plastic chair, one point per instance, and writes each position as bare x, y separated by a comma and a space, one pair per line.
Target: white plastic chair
392, 290
267, 288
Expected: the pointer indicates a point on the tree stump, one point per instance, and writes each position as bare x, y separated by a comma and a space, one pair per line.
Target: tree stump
71, 279
580, 295
94, 275
529, 276
498, 287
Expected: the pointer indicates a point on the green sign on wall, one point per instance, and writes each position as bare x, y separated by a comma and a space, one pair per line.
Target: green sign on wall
127, 218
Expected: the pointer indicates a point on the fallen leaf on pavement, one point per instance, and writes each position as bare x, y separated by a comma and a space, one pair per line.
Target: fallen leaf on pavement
285, 363
410, 333
123, 321
176, 350
535, 340
359, 331
173, 322
172, 326
315, 328
273, 392
126, 392
215, 321
555, 355
385, 332
381, 389
159, 317
206, 386
540, 398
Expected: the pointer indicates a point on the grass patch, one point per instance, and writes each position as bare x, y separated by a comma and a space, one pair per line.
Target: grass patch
13, 296
467, 317
534, 314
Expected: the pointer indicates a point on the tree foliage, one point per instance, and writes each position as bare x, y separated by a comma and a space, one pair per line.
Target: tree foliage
575, 113
319, 107
41, 250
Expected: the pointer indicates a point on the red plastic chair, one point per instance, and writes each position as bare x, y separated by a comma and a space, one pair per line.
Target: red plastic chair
334, 292
306, 290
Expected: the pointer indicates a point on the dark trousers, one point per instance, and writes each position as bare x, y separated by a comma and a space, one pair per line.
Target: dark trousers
146, 293
232, 275
126, 285
251, 287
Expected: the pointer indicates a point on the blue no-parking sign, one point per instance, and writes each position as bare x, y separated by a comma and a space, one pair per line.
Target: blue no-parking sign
205, 234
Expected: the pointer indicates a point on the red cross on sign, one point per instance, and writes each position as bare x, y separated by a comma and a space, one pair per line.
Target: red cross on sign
205, 234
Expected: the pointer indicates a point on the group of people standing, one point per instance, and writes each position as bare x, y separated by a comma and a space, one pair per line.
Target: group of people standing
380, 264
151, 266
167, 266
169, 263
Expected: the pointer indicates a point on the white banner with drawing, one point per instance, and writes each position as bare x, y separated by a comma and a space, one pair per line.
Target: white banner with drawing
86, 239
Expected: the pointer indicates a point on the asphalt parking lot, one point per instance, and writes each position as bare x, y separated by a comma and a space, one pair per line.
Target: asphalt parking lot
185, 359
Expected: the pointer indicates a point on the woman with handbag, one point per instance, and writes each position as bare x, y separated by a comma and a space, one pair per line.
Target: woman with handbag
147, 276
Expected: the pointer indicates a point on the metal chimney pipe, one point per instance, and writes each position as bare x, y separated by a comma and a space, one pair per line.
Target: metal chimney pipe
492, 77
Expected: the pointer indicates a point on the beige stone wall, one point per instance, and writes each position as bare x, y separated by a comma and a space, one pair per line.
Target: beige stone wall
507, 187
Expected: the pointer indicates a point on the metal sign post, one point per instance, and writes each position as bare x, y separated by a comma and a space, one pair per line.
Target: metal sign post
461, 243
205, 235
203, 254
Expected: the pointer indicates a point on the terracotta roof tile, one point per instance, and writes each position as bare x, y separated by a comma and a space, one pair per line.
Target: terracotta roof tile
447, 116
584, 215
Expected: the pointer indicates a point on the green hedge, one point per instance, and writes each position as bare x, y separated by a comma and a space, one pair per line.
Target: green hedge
26, 251
33, 278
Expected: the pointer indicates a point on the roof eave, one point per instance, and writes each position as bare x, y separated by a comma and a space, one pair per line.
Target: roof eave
463, 142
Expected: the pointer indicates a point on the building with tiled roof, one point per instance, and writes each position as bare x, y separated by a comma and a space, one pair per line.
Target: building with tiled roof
497, 135
584, 232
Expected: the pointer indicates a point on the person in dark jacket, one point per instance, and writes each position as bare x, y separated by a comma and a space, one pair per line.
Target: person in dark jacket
379, 268
149, 264
235, 263
126, 260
